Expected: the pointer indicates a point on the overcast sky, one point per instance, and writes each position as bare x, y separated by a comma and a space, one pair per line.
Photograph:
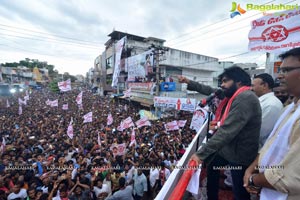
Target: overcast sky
70, 34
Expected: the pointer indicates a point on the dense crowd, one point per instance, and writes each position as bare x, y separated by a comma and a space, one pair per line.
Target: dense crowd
40, 161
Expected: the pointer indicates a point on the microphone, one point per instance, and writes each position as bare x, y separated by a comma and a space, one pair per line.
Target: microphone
218, 93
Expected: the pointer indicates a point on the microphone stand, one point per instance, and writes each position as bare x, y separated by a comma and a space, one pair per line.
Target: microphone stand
209, 116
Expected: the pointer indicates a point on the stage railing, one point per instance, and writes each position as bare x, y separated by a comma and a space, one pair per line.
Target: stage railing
170, 184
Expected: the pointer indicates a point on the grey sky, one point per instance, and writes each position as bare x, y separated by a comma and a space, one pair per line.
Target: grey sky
93, 20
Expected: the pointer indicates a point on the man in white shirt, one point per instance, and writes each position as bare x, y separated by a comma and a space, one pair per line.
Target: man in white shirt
271, 106
17, 192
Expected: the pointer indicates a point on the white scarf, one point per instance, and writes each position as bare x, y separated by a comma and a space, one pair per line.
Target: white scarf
278, 150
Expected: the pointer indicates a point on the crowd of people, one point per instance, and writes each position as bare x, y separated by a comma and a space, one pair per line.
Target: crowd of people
40, 161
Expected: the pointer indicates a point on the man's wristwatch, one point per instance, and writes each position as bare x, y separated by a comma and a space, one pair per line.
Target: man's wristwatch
251, 183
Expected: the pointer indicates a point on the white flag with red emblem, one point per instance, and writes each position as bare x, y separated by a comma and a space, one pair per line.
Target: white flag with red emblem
54, 103
88, 117
127, 123
20, 110
110, 119
132, 138
181, 123
99, 140
64, 86
7, 103
143, 122
70, 131
65, 106
127, 93
79, 98
22, 102
172, 126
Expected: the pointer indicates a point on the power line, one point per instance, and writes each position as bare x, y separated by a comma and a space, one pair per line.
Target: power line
55, 35
42, 40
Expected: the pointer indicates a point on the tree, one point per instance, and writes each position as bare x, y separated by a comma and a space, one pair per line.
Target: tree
53, 86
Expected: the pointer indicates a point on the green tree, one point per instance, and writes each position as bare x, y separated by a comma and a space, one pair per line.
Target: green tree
53, 86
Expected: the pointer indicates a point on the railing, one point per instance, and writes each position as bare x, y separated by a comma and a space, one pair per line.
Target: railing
175, 176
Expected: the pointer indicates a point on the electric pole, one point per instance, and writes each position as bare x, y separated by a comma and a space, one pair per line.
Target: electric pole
157, 51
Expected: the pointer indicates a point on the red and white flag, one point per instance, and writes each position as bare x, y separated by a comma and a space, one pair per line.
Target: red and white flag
127, 123
70, 131
181, 123
65, 106
88, 117
22, 102
20, 110
127, 93
7, 103
143, 122
121, 127
132, 138
79, 98
172, 126
54, 103
110, 119
64, 86
99, 140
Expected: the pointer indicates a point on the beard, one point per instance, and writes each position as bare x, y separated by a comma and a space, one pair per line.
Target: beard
228, 92
283, 99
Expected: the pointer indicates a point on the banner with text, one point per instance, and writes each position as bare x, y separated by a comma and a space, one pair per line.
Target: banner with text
186, 104
275, 33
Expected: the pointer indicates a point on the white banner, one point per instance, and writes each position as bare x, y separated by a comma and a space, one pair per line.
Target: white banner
275, 33
139, 66
198, 119
181, 123
117, 68
70, 131
109, 119
54, 103
64, 86
186, 104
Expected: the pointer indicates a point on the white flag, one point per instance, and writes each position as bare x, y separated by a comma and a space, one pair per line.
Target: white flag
143, 122
132, 138
2, 148
22, 102
7, 103
172, 126
79, 98
48, 102
26, 98
99, 139
109, 119
65, 106
88, 117
20, 110
70, 131
127, 93
54, 103
127, 123
181, 123
64, 86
